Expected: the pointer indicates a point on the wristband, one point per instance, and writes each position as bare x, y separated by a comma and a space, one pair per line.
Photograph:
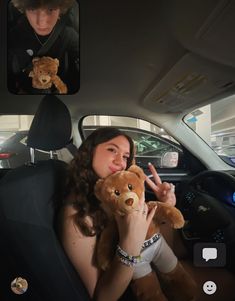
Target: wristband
150, 241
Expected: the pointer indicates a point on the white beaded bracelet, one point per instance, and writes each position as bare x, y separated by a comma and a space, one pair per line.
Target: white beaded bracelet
127, 259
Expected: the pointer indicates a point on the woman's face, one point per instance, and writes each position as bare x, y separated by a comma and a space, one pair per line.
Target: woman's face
42, 20
111, 156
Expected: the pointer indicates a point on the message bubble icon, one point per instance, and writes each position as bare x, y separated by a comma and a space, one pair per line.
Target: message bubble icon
209, 253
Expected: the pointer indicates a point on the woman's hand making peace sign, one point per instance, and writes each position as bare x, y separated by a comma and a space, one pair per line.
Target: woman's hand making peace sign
165, 192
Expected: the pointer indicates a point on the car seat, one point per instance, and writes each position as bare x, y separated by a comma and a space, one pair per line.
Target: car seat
28, 196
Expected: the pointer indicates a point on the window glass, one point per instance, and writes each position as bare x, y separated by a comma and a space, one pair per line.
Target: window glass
13, 134
13, 143
152, 143
215, 124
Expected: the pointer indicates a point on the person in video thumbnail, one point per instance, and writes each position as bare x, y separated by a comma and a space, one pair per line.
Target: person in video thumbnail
42, 28
81, 221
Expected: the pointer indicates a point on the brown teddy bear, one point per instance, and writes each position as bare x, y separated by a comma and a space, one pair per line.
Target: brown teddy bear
44, 74
120, 193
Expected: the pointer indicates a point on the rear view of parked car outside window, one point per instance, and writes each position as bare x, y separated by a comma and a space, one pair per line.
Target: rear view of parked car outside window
13, 141
14, 151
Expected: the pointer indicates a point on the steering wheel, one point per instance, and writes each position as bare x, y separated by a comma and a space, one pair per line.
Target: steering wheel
208, 217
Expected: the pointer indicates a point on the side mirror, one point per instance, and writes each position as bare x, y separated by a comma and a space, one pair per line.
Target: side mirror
169, 160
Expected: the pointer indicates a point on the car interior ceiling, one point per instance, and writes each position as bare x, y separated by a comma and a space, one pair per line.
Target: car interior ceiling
127, 68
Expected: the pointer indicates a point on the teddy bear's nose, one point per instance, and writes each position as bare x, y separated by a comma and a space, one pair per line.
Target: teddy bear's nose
129, 202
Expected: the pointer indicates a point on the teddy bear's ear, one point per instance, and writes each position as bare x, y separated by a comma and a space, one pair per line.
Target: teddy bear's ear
31, 74
35, 59
138, 171
57, 62
98, 187
133, 161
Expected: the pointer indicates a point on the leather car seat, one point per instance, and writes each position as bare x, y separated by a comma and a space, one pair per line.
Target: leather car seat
29, 244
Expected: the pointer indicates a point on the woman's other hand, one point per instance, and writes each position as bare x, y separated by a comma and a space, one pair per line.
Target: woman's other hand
165, 192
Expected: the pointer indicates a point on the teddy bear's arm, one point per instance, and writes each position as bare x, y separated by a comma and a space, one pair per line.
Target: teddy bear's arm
35, 82
167, 214
106, 246
60, 85
179, 284
147, 288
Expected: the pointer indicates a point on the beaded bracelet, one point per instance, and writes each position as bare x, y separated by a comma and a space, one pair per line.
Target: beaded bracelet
127, 259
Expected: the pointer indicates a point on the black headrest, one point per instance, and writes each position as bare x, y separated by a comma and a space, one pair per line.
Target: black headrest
51, 126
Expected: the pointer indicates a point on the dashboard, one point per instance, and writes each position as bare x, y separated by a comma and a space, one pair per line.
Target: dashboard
208, 205
220, 188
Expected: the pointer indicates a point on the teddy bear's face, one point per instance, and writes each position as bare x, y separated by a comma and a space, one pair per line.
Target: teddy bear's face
44, 69
121, 192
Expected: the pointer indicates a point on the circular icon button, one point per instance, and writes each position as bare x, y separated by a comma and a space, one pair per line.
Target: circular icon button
19, 285
209, 287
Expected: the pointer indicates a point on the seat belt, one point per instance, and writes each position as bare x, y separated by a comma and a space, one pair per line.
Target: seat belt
44, 49
58, 28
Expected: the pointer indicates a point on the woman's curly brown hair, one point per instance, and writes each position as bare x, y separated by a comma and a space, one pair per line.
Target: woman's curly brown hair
82, 179
63, 5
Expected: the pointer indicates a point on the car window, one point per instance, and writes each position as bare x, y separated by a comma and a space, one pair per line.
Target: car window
13, 143
215, 124
13, 134
152, 143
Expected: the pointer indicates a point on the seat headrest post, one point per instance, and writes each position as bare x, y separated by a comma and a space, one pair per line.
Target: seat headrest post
32, 155
51, 155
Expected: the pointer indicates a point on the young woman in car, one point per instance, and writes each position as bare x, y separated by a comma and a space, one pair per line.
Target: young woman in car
105, 151
44, 24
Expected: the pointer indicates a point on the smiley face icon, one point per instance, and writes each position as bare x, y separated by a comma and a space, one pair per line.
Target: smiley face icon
209, 287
